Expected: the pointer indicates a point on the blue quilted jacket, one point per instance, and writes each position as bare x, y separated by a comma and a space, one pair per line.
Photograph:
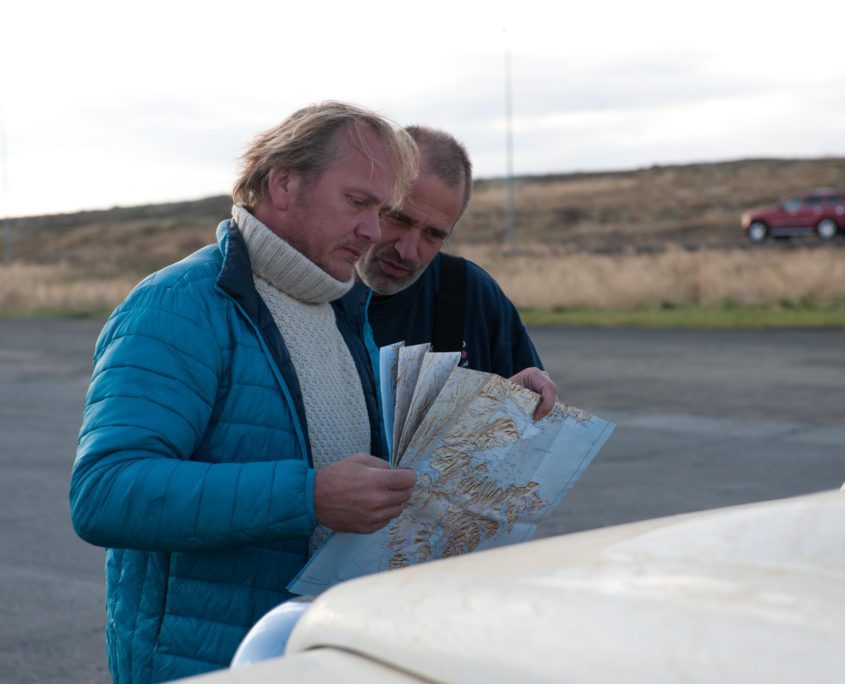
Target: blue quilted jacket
193, 466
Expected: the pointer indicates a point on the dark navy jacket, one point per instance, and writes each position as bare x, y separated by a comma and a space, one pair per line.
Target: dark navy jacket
495, 340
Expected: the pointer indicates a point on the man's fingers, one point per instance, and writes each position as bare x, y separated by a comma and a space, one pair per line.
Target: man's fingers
393, 492
381, 520
392, 497
534, 379
369, 461
540, 382
548, 396
360, 493
387, 514
545, 405
401, 479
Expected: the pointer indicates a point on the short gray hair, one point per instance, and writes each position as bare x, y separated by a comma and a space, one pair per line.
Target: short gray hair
444, 156
307, 142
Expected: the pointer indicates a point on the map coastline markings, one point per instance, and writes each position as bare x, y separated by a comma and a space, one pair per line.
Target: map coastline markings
487, 474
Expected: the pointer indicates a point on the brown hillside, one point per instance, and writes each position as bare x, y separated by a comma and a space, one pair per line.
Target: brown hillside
691, 204
695, 204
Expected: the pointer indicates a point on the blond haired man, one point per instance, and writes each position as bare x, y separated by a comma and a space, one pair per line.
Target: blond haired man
231, 420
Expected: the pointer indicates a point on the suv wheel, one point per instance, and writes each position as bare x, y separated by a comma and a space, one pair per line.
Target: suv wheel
757, 231
826, 229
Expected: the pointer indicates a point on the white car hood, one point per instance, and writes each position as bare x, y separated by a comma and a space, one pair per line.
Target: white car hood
751, 593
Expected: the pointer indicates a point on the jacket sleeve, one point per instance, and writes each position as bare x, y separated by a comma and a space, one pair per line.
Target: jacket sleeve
507, 341
157, 370
524, 354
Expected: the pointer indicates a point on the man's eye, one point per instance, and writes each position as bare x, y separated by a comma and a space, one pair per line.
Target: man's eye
356, 201
434, 235
394, 218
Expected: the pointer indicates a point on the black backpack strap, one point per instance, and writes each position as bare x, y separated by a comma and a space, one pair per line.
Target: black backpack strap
449, 304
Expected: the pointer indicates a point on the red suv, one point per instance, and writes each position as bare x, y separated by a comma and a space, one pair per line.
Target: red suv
821, 212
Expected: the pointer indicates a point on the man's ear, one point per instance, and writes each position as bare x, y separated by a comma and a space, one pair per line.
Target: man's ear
279, 188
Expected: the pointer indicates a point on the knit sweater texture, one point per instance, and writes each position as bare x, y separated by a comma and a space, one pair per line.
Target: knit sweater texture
297, 293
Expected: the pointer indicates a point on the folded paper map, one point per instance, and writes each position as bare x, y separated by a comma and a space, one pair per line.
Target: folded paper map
487, 473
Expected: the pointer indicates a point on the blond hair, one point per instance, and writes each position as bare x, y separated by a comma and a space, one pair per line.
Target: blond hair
307, 142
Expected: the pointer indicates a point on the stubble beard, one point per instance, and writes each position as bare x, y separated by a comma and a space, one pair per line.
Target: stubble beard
371, 274
303, 226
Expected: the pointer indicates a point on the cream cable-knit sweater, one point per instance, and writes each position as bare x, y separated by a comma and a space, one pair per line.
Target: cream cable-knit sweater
297, 293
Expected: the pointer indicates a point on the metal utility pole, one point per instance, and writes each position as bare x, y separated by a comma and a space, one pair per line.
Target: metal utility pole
7, 222
510, 226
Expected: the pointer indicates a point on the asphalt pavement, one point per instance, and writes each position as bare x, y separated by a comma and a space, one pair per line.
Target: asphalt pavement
704, 419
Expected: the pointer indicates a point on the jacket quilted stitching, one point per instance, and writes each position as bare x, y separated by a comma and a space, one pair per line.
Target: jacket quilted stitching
193, 466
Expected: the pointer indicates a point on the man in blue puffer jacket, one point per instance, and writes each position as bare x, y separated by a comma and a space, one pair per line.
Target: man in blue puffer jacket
232, 418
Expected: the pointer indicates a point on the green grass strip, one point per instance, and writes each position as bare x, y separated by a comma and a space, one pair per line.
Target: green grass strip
669, 316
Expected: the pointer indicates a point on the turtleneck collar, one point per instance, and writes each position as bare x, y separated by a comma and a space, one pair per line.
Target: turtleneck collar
285, 268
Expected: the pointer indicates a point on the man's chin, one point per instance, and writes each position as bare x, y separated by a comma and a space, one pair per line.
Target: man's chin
381, 283
340, 271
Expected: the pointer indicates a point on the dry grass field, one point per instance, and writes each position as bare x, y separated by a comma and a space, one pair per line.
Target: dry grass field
656, 237
39, 289
539, 277
550, 277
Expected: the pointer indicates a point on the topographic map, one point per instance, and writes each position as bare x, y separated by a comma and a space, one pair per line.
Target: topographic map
487, 473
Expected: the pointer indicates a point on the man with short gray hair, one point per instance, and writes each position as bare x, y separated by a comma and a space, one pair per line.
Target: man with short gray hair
421, 295
232, 420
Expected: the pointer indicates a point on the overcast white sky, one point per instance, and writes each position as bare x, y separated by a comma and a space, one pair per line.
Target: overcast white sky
112, 103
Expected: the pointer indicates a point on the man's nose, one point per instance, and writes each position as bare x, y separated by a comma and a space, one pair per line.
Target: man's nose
407, 244
369, 227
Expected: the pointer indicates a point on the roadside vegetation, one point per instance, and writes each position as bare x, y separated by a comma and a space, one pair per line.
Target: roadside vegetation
656, 247
773, 287
785, 315
546, 277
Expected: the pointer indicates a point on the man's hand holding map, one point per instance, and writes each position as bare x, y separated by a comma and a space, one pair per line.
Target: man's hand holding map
487, 474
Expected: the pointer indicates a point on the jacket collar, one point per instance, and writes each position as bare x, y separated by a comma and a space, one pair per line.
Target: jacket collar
353, 305
235, 277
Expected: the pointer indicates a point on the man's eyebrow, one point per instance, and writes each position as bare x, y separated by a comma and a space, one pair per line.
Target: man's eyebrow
439, 232
398, 215
370, 197
401, 217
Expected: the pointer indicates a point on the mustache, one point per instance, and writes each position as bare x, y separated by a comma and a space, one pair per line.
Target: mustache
392, 255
